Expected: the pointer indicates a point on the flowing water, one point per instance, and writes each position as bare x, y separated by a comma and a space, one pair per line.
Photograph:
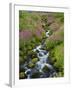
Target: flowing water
43, 62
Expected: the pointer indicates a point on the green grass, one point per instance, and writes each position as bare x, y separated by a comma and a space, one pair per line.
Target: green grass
57, 57
55, 39
59, 17
28, 20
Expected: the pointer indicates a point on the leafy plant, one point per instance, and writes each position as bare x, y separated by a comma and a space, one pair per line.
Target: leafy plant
57, 56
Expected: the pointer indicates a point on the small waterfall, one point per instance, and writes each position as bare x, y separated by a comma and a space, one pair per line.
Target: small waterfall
47, 33
43, 58
28, 73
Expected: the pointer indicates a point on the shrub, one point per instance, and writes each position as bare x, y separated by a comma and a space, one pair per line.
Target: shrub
57, 55
50, 44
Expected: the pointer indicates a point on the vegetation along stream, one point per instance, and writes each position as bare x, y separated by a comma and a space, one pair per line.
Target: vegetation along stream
41, 44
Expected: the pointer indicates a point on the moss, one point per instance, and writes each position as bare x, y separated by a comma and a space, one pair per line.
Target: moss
32, 54
36, 75
31, 65
60, 74
22, 75
34, 60
45, 69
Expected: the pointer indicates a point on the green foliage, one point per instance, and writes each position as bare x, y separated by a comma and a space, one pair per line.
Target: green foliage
57, 57
44, 18
60, 74
32, 54
43, 35
50, 44
21, 60
59, 16
28, 20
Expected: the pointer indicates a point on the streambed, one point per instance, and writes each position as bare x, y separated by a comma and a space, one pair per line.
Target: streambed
42, 68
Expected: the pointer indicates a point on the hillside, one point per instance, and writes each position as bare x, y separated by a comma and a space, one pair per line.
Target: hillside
32, 29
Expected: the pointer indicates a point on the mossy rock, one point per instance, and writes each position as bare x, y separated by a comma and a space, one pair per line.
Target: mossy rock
34, 60
31, 65
32, 54
60, 74
36, 75
45, 69
22, 75
21, 60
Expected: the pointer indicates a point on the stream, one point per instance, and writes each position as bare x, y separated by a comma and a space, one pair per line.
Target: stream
37, 71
